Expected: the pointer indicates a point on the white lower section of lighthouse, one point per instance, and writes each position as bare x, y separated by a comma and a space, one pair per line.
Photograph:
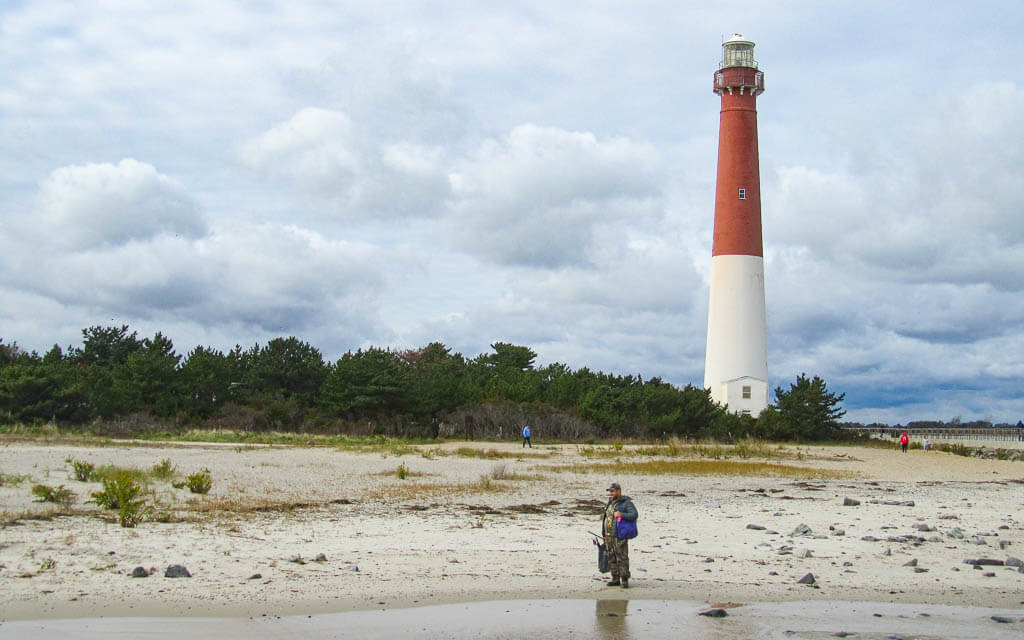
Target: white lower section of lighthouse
736, 363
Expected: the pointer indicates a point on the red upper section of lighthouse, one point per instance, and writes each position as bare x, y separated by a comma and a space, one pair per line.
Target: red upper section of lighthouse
738, 189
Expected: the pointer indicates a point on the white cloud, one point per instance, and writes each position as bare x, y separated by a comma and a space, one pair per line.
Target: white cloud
97, 205
323, 153
537, 195
316, 148
126, 241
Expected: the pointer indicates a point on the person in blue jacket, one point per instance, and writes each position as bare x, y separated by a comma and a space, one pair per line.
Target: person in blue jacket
526, 437
618, 507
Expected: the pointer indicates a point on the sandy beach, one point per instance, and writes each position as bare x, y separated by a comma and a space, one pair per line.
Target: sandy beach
461, 529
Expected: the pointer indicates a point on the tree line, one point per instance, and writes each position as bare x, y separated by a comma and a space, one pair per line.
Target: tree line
116, 381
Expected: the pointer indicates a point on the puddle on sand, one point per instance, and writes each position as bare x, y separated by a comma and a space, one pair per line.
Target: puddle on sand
599, 619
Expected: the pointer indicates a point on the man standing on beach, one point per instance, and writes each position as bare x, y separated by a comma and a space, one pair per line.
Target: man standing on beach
526, 437
619, 507
904, 441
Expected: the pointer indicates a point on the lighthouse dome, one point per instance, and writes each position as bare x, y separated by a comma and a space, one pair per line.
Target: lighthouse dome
737, 51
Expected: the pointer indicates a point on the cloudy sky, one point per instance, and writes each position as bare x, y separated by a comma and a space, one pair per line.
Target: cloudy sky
397, 173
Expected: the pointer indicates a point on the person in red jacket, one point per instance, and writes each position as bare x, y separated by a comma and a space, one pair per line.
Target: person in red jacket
904, 441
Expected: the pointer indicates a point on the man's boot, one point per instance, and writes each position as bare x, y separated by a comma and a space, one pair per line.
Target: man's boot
625, 583
615, 582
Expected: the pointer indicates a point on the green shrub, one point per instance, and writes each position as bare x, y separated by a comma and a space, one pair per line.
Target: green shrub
164, 470
117, 492
402, 472
121, 494
130, 513
199, 482
83, 470
60, 495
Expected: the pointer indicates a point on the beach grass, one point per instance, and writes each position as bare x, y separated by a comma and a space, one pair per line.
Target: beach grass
700, 468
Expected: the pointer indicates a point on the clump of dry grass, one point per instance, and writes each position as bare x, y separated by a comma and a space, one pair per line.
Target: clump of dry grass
415, 490
9, 518
702, 467
13, 479
252, 505
492, 453
675, 448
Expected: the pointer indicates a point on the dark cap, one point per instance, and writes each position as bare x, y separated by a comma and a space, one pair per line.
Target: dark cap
616, 486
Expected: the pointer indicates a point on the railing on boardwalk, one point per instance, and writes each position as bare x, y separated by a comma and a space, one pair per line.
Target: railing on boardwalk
944, 433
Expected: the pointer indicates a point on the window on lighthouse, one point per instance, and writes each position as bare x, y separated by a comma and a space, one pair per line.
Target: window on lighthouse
743, 194
746, 392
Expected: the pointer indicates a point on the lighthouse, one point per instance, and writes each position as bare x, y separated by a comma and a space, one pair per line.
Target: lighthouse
736, 360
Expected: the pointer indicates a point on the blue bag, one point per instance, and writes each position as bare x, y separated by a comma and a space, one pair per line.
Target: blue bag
625, 529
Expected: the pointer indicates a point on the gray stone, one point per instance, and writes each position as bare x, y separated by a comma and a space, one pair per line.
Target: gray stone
755, 527
1003, 544
869, 539
957, 533
1003, 619
920, 570
807, 579
320, 558
850, 502
801, 530
352, 568
140, 572
177, 571
989, 574
804, 553
910, 563
924, 527
707, 560
713, 613
985, 562
256, 576
1013, 562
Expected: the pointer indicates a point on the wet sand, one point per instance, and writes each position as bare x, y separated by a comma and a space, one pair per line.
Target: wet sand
600, 619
